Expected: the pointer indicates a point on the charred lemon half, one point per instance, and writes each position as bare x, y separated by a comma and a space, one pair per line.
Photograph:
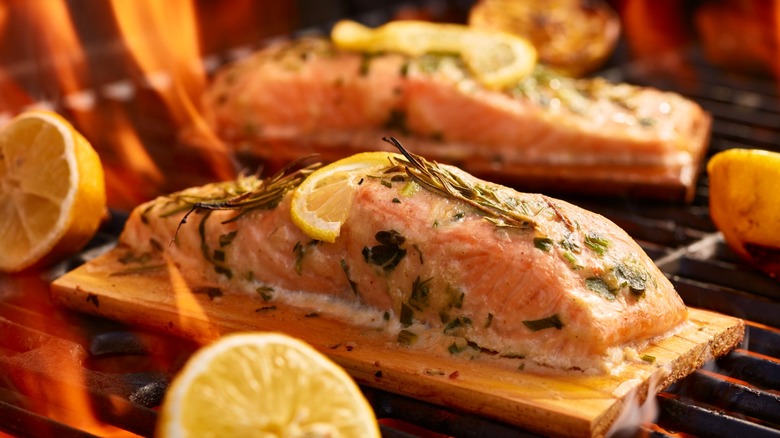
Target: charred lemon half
745, 203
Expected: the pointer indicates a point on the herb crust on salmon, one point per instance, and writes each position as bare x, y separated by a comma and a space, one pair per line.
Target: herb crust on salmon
545, 132
483, 270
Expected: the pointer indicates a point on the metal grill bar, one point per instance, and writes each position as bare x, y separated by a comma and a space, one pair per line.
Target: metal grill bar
727, 393
682, 415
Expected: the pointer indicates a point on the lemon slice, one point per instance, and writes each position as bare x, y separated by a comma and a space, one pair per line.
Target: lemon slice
745, 197
496, 59
321, 204
264, 384
52, 191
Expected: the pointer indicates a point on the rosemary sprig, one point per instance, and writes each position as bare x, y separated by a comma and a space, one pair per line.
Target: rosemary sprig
245, 194
440, 180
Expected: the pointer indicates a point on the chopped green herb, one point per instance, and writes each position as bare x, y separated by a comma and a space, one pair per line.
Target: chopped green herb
457, 347
598, 285
540, 324
647, 121
352, 284
420, 295
224, 271
265, 292
205, 250
227, 239
300, 251
365, 64
647, 358
457, 326
543, 243
573, 262
597, 243
388, 253
407, 337
634, 275
386, 183
569, 244
404, 69
396, 201
409, 189
456, 296
459, 215
406, 315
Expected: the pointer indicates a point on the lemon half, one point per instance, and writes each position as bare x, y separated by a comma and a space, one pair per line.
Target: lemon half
745, 197
266, 385
52, 190
496, 59
321, 204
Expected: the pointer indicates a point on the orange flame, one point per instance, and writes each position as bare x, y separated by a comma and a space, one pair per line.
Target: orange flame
3, 15
656, 31
192, 317
11, 97
53, 375
60, 39
163, 38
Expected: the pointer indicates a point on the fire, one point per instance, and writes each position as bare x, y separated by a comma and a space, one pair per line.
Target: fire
47, 369
192, 318
163, 37
657, 32
60, 48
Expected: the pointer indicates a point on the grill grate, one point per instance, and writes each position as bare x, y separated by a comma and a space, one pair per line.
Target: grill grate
128, 369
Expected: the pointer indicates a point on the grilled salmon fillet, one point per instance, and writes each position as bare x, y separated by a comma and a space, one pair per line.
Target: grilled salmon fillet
547, 132
556, 286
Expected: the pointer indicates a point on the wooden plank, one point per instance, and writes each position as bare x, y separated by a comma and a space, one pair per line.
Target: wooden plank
553, 404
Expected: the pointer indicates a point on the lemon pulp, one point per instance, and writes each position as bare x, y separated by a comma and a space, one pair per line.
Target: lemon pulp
264, 384
52, 190
496, 59
322, 202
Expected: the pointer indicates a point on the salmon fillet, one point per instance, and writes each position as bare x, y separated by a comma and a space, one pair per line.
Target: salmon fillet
547, 132
560, 287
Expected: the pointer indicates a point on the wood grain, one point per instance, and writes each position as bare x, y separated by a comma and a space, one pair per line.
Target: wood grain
549, 403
